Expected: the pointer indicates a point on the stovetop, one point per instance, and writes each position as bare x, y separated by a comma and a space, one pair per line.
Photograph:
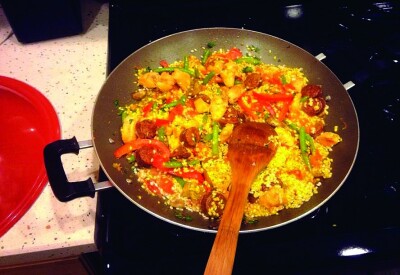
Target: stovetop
359, 227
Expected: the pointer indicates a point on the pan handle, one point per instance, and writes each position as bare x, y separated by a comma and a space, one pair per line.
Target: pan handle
62, 188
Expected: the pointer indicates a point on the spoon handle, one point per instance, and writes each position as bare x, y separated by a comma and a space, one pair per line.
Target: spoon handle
223, 252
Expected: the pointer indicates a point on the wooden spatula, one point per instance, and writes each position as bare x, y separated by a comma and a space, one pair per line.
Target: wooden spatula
249, 151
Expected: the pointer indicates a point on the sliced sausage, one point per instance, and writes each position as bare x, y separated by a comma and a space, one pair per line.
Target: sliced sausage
311, 90
146, 129
180, 153
314, 106
190, 136
251, 198
144, 156
252, 81
213, 203
232, 116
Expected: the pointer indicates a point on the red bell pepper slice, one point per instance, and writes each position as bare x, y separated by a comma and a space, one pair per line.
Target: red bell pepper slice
147, 108
273, 97
164, 183
162, 122
139, 143
164, 63
158, 162
190, 174
284, 110
177, 110
233, 53
247, 106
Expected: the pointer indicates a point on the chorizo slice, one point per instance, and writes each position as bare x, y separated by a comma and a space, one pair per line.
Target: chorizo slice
144, 156
314, 106
180, 153
213, 203
146, 129
232, 116
190, 136
252, 81
311, 90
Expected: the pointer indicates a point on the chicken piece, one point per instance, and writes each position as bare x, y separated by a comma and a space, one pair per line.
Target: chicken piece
128, 129
226, 132
273, 197
201, 106
328, 139
218, 107
166, 82
234, 93
182, 78
149, 80
228, 73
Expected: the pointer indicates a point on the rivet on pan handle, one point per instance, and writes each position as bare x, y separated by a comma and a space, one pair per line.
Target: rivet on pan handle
63, 189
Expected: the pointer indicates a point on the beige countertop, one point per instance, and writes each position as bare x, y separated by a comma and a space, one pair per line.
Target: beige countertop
69, 72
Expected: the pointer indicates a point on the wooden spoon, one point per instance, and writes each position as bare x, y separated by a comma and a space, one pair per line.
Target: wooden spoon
249, 151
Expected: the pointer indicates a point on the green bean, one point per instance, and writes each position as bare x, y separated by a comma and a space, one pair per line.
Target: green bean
303, 146
302, 137
166, 69
171, 104
215, 139
248, 59
306, 160
310, 141
186, 62
181, 101
171, 69
206, 55
173, 164
161, 134
208, 77
188, 71
180, 180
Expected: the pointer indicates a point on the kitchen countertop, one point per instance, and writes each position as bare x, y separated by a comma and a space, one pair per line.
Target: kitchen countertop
69, 71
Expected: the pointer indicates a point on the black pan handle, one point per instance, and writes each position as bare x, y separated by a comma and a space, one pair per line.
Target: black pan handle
62, 188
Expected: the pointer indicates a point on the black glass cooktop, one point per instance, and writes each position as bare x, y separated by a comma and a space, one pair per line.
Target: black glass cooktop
359, 228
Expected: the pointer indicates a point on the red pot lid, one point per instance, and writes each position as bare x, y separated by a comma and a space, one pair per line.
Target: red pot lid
28, 122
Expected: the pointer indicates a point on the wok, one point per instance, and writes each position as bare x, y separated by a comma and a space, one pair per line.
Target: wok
120, 83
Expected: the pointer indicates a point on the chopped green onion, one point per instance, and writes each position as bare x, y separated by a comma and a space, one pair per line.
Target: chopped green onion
211, 44
181, 216
131, 158
304, 98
